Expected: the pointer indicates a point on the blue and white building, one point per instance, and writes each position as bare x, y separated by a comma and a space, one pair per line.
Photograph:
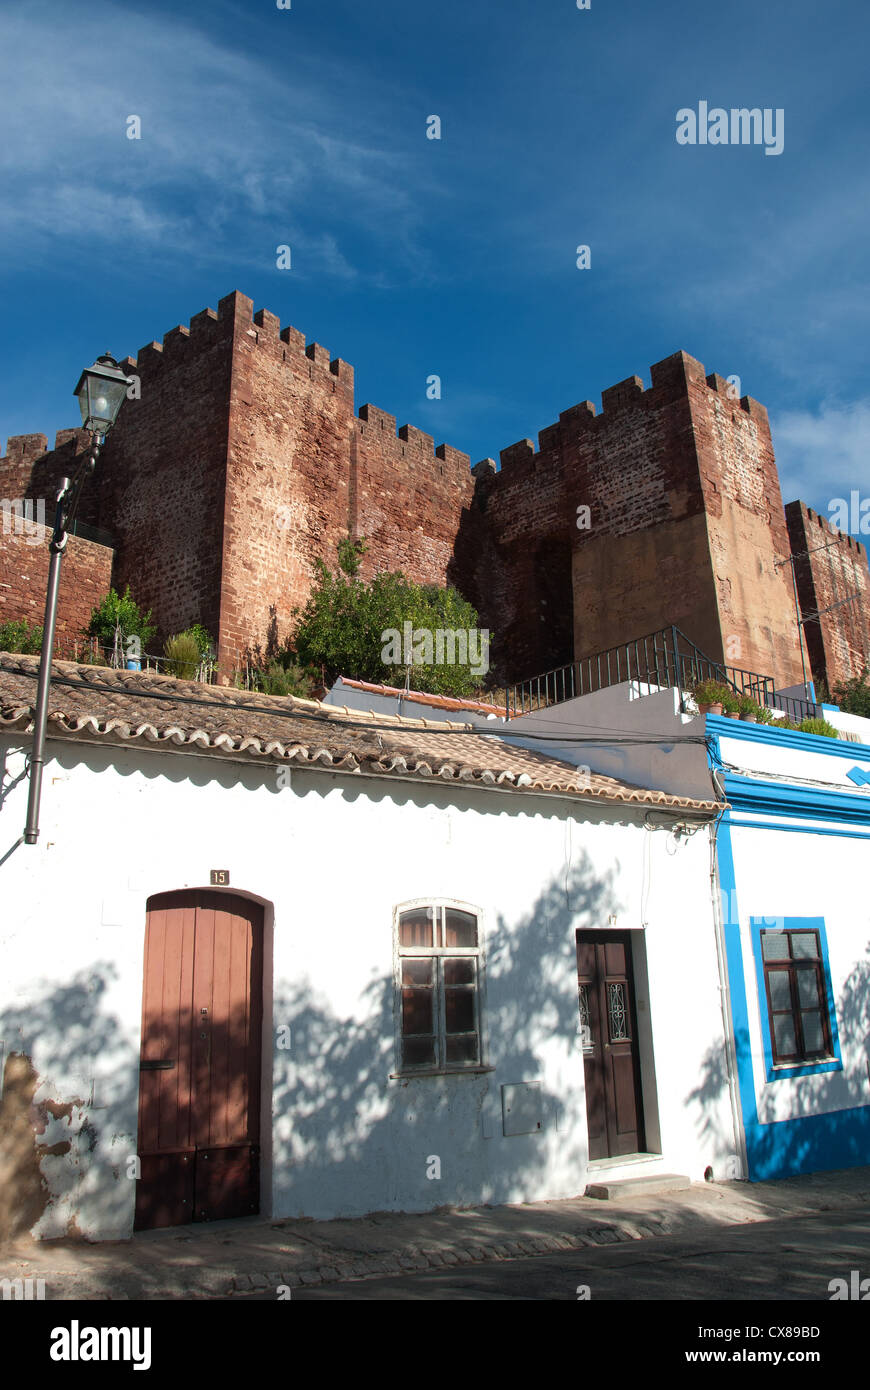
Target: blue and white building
790, 872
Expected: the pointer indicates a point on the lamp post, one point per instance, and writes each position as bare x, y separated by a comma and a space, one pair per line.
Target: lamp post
100, 392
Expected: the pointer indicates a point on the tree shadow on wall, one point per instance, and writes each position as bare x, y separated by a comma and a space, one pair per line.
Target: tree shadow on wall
349, 1136
68, 1065
821, 1139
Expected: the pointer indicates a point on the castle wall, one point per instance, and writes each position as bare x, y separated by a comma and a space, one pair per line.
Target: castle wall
838, 644
31, 472
86, 577
242, 461
163, 473
685, 526
304, 472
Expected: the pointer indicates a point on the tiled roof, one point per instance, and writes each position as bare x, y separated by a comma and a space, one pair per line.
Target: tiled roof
419, 697
94, 703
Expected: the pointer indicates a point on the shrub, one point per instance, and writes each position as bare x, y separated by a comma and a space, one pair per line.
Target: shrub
278, 679
182, 656
19, 636
746, 705
201, 637
765, 715
818, 726
853, 696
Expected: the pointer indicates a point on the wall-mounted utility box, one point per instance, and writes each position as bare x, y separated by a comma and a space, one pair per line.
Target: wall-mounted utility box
522, 1108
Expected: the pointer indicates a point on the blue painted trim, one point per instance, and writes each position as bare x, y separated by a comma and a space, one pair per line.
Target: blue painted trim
804, 829
830, 709
792, 799
777, 1072
780, 1148
721, 727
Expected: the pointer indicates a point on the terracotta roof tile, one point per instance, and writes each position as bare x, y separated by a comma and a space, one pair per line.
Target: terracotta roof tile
421, 697
125, 707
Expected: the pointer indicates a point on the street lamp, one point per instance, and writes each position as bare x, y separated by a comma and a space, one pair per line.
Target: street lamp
100, 391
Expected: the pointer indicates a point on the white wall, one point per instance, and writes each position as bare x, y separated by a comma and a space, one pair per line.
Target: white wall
630, 708
783, 874
334, 855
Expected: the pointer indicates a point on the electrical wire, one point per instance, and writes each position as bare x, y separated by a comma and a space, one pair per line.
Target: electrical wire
627, 739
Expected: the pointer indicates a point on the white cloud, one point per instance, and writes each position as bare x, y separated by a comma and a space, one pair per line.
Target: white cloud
823, 454
233, 156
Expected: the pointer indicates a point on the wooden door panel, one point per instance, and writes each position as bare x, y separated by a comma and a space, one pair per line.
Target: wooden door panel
227, 1182
611, 1059
199, 1110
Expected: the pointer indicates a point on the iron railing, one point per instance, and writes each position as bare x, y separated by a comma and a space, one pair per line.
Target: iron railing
667, 658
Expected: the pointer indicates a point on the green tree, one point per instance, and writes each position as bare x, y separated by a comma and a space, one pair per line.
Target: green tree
122, 612
358, 629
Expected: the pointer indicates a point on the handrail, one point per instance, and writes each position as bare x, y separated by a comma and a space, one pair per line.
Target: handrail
666, 658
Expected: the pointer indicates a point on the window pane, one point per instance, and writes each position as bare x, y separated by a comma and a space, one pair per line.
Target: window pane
462, 1049
415, 928
417, 1011
460, 928
804, 945
774, 945
784, 1035
459, 1010
808, 989
417, 972
814, 1038
460, 971
418, 1052
780, 993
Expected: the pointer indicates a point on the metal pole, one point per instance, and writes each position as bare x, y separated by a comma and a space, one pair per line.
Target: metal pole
37, 756
797, 613
67, 504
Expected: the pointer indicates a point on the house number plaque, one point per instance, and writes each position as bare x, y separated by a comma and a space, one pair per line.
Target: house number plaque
220, 878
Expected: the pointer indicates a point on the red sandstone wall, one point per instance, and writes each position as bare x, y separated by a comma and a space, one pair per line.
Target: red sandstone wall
838, 644
85, 577
163, 473
243, 462
686, 524
29, 470
747, 531
304, 472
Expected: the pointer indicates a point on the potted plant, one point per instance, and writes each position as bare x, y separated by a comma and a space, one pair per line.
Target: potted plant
708, 695
730, 704
748, 709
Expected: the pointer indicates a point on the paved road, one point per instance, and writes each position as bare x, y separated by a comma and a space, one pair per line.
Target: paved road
768, 1260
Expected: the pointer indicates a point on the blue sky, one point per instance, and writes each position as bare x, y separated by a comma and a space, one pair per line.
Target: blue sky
411, 256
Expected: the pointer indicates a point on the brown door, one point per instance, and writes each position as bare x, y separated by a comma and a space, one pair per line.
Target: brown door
609, 1036
199, 1073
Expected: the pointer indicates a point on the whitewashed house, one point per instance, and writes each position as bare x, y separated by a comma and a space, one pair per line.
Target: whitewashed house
269, 956
792, 856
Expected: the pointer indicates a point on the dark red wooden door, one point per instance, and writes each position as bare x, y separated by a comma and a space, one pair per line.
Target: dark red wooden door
199, 1080
609, 1035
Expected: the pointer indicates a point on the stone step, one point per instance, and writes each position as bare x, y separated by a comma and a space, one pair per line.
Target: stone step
639, 1186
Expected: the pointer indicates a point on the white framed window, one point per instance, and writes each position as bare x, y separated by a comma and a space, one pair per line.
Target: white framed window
439, 987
